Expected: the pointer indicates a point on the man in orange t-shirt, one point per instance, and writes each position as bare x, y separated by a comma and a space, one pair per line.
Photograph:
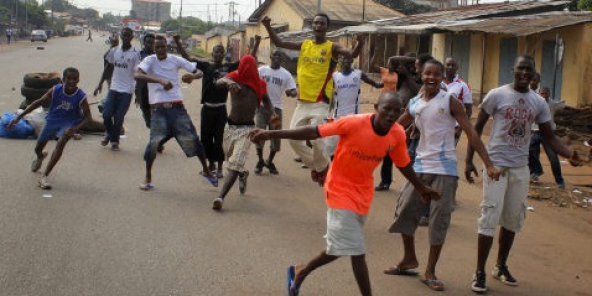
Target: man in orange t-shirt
365, 139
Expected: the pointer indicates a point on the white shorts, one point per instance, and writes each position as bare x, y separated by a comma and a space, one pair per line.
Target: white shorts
345, 235
504, 201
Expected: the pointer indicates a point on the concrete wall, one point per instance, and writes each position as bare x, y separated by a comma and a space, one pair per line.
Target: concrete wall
439, 46
475, 78
211, 42
577, 69
280, 13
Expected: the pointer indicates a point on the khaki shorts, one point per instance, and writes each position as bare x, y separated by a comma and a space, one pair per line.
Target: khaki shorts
262, 122
345, 235
410, 209
504, 201
236, 145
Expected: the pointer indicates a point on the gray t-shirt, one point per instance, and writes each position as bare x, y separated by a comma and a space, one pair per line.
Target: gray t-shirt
513, 115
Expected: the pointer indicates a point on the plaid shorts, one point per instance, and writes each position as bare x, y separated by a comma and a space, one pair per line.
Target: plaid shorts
236, 145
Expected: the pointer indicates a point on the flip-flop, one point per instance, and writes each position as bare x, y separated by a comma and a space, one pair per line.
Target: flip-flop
433, 284
292, 290
213, 180
400, 271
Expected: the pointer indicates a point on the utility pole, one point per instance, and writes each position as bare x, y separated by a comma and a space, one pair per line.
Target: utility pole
231, 11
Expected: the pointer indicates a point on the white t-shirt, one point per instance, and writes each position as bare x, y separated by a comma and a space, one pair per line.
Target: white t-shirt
278, 81
513, 114
169, 70
436, 151
124, 66
346, 92
461, 89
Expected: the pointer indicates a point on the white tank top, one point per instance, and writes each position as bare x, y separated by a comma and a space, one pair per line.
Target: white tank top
436, 152
346, 93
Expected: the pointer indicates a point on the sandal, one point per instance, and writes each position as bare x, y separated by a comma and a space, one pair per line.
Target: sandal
213, 180
146, 186
292, 289
433, 283
396, 270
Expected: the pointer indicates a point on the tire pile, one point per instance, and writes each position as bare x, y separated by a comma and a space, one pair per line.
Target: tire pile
35, 85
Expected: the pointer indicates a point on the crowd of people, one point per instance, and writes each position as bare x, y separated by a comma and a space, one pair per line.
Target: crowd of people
418, 118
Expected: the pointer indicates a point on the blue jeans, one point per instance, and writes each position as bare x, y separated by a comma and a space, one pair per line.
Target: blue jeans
534, 153
115, 107
166, 123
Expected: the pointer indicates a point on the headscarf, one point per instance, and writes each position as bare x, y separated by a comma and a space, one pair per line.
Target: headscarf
248, 74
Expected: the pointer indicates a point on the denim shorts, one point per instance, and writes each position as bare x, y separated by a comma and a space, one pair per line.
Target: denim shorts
173, 122
51, 131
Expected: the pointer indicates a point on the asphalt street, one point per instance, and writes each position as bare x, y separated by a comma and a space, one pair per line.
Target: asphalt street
95, 233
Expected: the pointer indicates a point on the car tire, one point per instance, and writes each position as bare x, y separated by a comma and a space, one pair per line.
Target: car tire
41, 80
24, 104
33, 93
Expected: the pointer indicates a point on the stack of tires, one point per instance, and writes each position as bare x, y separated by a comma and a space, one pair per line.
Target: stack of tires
35, 85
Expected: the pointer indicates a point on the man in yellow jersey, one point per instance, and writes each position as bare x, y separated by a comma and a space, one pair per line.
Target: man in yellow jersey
316, 65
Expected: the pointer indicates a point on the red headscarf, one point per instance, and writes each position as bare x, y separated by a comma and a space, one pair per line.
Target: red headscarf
248, 74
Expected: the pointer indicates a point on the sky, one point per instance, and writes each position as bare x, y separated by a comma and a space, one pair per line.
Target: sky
196, 8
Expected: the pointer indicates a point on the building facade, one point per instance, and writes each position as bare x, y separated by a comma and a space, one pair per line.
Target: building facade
152, 10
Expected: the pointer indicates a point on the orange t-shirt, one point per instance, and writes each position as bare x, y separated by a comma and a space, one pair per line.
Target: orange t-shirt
350, 180
389, 80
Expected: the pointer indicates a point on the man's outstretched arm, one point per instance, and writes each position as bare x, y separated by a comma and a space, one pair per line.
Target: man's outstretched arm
302, 133
279, 42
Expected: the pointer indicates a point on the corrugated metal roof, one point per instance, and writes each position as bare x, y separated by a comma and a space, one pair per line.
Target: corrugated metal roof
475, 12
218, 31
338, 10
520, 25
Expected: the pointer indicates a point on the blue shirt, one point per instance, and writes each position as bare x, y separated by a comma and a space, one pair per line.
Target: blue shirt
65, 108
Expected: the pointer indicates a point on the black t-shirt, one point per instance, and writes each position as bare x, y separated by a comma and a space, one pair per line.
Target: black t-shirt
212, 72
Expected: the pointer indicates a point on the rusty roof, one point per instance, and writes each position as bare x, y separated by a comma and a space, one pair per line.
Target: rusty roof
338, 10
475, 12
520, 25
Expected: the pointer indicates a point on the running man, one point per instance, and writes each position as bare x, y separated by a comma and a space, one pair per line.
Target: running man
459, 88
247, 92
514, 108
141, 92
534, 151
435, 113
68, 113
316, 65
169, 117
409, 86
123, 60
279, 82
213, 112
365, 140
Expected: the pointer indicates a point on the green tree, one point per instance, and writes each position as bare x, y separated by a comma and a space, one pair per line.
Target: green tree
405, 6
585, 5
57, 5
187, 26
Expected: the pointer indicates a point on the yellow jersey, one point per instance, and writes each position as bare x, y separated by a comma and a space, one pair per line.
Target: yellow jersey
315, 71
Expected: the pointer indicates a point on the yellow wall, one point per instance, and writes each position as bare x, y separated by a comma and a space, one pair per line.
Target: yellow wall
211, 42
439, 46
280, 13
577, 67
476, 66
575, 62
585, 65
491, 75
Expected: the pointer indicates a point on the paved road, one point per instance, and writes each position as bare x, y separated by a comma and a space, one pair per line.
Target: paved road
97, 234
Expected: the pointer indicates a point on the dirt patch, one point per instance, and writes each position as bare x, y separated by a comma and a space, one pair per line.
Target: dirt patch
575, 197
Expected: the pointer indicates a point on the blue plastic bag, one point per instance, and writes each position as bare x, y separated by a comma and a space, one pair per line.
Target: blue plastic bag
21, 130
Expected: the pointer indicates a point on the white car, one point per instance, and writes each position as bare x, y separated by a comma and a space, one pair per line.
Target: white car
38, 35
